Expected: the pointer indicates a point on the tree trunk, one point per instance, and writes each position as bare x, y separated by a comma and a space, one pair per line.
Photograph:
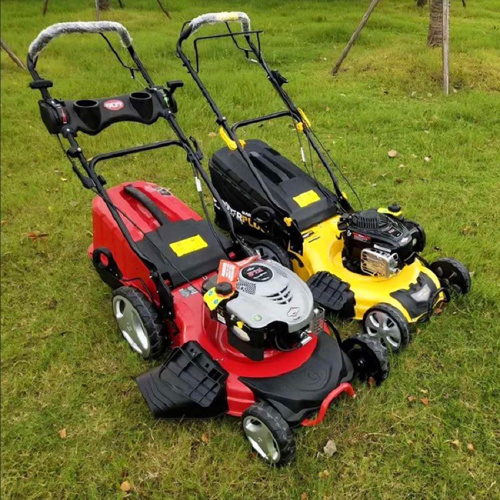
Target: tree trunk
12, 55
446, 47
355, 36
435, 36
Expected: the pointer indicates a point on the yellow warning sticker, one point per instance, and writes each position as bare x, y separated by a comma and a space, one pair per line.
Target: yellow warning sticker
189, 245
307, 198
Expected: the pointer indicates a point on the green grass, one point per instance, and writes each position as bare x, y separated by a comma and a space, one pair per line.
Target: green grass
63, 363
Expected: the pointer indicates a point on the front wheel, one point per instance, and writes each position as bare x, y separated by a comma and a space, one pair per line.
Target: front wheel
452, 274
369, 357
269, 434
388, 325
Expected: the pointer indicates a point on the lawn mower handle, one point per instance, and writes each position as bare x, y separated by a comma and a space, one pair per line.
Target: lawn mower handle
215, 18
56, 30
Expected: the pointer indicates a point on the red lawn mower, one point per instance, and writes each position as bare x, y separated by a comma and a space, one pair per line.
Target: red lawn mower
242, 333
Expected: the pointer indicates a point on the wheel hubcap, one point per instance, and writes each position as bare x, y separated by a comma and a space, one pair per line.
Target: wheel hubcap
131, 326
381, 326
261, 439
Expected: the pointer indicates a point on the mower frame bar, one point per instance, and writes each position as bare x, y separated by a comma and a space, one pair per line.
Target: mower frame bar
292, 230
136, 149
259, 119
96, 182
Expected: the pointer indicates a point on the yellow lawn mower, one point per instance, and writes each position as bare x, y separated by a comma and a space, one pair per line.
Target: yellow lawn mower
364, 265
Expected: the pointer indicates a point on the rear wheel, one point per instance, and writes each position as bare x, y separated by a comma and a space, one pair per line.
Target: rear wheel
452, 274
139, 322
388, 325
269, 434
369, 357
270, 250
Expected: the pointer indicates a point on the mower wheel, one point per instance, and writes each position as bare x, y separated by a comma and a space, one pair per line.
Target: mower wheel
270, 250
388, 325
452, 274
139, 322
269, 434
369, 357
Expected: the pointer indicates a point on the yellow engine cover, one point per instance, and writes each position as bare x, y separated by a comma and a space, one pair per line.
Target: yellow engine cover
322, 251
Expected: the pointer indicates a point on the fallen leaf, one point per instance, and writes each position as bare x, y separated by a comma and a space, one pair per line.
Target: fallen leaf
446, 396
427, 159
412, 399
4, 222
327, 109
438, 311
371, 382
304, 496
62, 433
205, 438
36, 235
212, 134
401, 165
74, 203
399, 181
425, 401
456, 443
64, 179
330, 448
323, 473
470, 447
392, 153
126, 486
424, 391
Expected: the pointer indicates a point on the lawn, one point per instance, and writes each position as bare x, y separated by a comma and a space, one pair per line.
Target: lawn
431, 431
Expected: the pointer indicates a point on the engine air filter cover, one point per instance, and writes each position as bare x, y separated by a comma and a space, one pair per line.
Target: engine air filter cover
268, 293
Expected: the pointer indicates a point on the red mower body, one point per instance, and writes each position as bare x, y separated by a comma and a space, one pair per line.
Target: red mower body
193, 320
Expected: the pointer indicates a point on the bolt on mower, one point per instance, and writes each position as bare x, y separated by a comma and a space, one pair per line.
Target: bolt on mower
363, 264
242, 333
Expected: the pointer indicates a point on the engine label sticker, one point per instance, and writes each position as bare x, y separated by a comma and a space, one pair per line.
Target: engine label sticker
306, 199
257, 273
114, 105
188, 291
189, 245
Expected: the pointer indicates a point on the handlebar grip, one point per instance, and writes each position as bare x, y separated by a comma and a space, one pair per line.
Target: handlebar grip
56, 30
216, 18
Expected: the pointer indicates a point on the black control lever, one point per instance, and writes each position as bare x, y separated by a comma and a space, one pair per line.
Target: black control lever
279, 77
199, 152
172, 86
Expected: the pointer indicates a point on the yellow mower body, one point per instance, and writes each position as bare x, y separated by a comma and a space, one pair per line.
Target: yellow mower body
322, 251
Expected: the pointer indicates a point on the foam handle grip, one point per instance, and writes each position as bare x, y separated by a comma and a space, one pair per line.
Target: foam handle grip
220, 17
59, 29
